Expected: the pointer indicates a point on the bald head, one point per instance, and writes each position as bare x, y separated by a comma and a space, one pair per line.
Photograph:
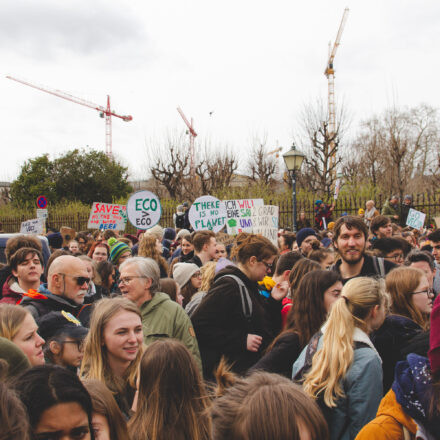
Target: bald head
68, 277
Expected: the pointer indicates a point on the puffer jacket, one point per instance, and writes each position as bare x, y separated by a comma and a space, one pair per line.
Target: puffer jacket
163, 318
389, 423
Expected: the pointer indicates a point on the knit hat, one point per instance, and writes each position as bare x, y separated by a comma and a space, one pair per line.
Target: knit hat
318, 202
117, 248
222, 263
55, 240
408, 197
182, 272
181, 233
303, 233
157, 231
169, 234
14, 356
56, 323
361, 211
330, 226
326, 242
434, 337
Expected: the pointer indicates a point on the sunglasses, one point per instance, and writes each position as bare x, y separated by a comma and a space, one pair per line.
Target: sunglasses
79, 280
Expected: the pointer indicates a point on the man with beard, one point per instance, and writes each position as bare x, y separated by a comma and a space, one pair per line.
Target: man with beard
349, 239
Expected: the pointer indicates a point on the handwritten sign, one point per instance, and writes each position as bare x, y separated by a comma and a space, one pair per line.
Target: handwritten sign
238, 214
207, 212
34, 226
107, 216
265, 222
415, 219
144, 209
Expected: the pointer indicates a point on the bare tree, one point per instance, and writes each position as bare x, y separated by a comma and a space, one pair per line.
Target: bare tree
261, 166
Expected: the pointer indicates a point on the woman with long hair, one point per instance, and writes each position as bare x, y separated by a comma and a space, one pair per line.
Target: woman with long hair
57, 404
107, 275
312, 300
233, 319
189, 278
340, 366
408, 323
19, 326
108, 423
113, 348
172, 401
151, 247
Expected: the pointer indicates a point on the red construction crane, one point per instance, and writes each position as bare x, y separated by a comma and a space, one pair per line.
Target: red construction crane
192, 136
103, 111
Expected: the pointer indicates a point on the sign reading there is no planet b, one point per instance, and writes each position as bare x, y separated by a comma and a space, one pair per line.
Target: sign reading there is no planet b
144, 209
207, 213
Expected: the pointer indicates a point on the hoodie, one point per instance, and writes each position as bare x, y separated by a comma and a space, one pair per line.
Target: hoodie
389, 422
40, 302
11, 292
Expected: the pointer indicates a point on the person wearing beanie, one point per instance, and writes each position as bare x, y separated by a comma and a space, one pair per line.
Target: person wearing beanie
14, 357
119, 251
55, 241
304, 239
323, 214
189, 279
64, 336
361, 213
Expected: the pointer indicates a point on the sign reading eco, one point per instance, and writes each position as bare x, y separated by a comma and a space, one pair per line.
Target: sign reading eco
207, 212
144, 209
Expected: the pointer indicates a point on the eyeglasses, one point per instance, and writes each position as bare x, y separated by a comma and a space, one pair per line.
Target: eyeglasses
429, 292
127, 280
398, 257
79, 344
79, 280
269, 266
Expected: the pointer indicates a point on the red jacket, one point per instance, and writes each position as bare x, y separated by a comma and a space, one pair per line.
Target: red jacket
11, 291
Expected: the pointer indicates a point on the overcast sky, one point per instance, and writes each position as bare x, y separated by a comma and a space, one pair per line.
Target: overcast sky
253, 63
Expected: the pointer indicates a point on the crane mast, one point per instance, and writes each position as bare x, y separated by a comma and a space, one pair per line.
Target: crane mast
330, 74
106, 112
192, 136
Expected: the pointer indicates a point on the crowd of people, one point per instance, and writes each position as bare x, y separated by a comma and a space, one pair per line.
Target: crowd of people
330, 333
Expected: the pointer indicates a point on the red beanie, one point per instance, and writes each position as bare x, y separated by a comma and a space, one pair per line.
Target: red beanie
434, 337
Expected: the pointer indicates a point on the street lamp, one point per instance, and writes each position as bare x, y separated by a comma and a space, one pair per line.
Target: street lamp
293, 160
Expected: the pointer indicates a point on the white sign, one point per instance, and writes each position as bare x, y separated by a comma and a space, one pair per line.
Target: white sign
42, 213
238, 215
265, 222
207, 212
107, 216
34, 226
144, 209
415, 219
337, 189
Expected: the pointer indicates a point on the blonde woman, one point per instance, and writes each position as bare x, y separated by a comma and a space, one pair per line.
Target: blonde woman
340, 367
151, 247
113, 348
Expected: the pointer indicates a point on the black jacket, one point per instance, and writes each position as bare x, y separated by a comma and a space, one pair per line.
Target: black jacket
222, 328
391, 341
281, 358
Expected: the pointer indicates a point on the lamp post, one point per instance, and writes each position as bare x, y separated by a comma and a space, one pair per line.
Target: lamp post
293, 160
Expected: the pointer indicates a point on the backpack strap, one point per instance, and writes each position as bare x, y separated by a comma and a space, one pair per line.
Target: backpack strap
312, 348
379, 266
246, 302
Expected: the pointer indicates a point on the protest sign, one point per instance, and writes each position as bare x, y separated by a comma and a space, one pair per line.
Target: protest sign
144, 209
207, 212
42, 213
265, 222
337, 188
437, 221
238, 214
107, 216
415, 219
34, 226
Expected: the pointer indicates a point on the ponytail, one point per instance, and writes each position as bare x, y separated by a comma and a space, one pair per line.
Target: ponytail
332, 361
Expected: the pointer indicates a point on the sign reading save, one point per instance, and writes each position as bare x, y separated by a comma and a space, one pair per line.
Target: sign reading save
107, 216
207, 212
144, 209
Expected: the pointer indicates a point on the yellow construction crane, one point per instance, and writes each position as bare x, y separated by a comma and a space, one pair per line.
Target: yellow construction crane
330, 74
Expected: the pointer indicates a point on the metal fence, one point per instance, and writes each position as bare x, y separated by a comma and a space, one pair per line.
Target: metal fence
427, 203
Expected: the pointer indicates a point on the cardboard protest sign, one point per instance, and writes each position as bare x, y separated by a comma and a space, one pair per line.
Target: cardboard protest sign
265, 222
238, 214
415, 219
207, 212
107, 216
144, 209
34, 226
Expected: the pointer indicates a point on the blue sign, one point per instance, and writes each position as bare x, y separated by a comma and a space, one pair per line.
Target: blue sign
42, 202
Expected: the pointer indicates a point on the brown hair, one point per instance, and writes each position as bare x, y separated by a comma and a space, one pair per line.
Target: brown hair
319, 255
98, 244
104, 404
200, 238
255, 246
172, 401
168, 286
15, 243
20, 256
147, 248
266, 406
378, 222
350, 222
301, 267
400, 284
11, 319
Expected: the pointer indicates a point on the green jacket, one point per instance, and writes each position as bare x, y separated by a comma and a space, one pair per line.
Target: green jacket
162, 317
390, 211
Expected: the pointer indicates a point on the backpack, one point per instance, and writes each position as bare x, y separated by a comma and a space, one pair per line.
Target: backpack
246, 302
180, 221
379, 266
